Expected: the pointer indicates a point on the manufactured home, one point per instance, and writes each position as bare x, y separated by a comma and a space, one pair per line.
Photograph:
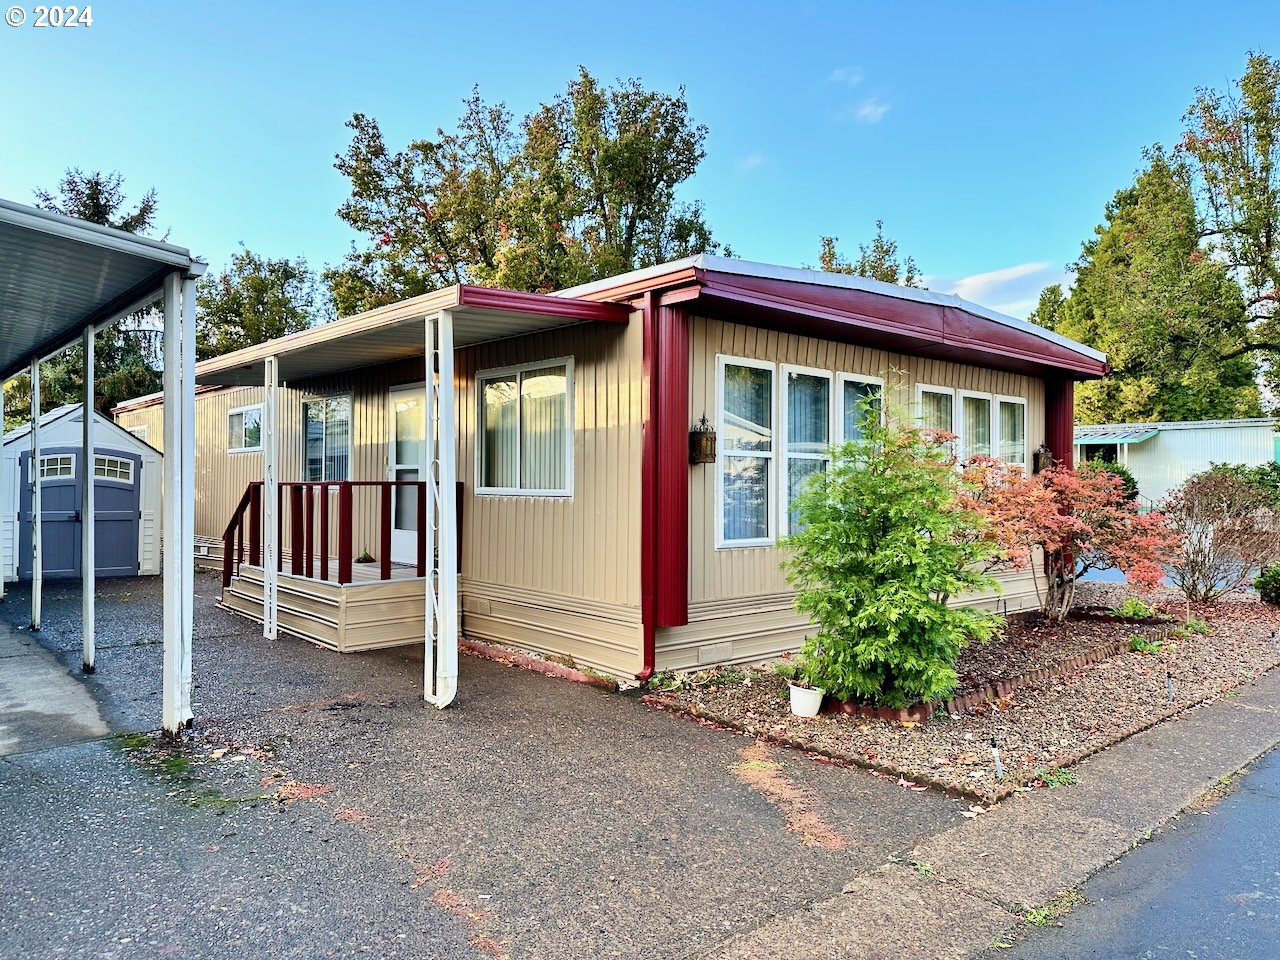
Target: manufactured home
1161, 456
126, 477
603, 473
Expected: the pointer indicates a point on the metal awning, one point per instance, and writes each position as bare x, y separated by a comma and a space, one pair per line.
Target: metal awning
1119, 437
395, 332
59, 275
61, 280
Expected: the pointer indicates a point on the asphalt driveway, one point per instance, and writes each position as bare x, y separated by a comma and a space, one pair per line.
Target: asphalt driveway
320, 809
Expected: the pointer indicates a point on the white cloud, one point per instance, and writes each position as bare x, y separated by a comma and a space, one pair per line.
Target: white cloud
751, 161
1012, 290
871, 110
850, 76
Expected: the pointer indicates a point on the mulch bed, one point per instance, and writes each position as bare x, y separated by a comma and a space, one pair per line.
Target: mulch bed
1044, 725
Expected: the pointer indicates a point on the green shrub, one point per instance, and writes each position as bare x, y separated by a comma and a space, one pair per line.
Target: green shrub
1134, 608
884, 542
1116, 469
1268, 584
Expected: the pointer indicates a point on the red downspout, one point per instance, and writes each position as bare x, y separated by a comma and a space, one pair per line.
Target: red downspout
648, 491
664, 498
1059, 420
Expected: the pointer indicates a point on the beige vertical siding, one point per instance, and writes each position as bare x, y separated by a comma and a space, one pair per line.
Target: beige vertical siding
739, 600
562, 574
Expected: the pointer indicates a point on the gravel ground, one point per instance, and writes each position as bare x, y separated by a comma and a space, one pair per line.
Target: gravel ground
534, 818
1038, 727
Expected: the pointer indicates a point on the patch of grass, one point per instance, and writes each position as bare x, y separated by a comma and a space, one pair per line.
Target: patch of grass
1055, 909
1057, 778
133, 741
1134, 608
1145, 645
923, 868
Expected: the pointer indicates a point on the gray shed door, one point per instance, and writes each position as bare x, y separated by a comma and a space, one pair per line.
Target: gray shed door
117, 499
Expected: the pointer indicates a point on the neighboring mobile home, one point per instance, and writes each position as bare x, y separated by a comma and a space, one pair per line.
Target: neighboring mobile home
126, 474
554, 456
1161, 456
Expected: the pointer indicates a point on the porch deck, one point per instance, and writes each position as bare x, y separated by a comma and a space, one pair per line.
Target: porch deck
366, 614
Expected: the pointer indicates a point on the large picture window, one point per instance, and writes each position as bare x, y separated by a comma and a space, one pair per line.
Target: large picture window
244, 429
746, 407
326, 423
807, 415
526, 429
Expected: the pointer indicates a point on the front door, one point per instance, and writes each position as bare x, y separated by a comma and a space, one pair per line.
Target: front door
404, 462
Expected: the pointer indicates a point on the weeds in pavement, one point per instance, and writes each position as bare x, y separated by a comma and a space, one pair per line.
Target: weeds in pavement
1055, 909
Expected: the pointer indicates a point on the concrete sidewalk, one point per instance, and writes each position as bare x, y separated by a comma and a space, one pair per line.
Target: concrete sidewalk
968, 886
41, 704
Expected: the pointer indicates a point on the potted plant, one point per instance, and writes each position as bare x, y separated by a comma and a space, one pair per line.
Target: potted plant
365, 557
806, 699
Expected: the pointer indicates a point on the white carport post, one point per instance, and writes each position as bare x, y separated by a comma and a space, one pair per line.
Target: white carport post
179, 474
4, 567
37, 560
270, 500
88, 561
441, 655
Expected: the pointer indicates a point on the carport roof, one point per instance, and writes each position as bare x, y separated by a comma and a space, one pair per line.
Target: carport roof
59, 275
393, 332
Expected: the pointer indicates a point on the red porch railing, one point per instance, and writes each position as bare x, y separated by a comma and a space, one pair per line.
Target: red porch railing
307, 505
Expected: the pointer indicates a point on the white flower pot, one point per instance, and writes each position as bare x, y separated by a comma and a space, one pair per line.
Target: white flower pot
806, 702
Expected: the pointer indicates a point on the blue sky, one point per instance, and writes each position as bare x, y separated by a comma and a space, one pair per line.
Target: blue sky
987, 136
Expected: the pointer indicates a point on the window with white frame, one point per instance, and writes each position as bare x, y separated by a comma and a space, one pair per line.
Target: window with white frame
326, 424
1011, 430
861, 401
526, 429
975, 426
56, 466
806, 406
937, 408
745, 471
139, 431
244, 429
113, 468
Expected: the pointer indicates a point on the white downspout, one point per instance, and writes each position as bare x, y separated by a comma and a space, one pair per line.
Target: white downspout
88, 528
270, 499
37, 560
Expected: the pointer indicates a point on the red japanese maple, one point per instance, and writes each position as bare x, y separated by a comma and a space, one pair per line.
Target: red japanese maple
1063, 523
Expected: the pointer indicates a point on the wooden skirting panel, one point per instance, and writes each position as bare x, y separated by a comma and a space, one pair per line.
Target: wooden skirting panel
756, 629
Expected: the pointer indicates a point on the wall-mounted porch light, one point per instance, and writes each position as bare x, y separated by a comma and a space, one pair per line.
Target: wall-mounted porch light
702, 443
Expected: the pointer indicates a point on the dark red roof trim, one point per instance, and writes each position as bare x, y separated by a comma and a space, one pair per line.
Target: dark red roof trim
514, 301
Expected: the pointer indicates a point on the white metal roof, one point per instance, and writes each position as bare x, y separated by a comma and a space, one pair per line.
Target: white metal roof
72, 412
1091, 432
768, 271
59, 275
